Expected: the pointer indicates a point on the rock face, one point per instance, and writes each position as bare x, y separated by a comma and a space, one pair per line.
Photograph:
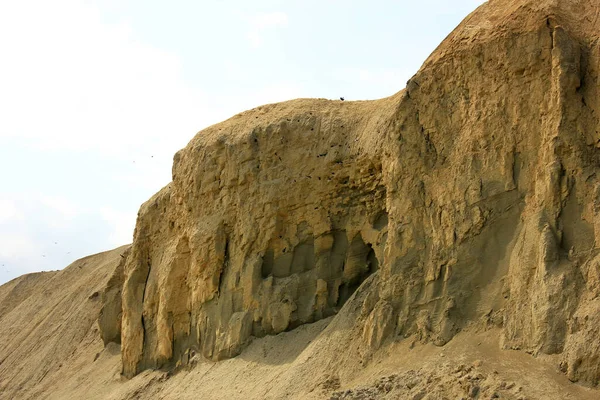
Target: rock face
272, 220
473, 194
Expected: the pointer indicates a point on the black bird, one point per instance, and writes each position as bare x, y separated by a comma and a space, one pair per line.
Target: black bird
341, 98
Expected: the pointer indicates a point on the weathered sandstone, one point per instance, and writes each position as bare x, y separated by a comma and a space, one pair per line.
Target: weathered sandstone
473, 193
439, 243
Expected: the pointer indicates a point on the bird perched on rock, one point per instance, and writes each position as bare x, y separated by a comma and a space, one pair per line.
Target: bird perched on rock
341, 98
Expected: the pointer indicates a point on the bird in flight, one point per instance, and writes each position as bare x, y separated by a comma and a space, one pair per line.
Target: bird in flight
341, 98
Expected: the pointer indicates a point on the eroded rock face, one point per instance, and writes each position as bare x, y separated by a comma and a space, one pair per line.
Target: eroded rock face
272, 220
473, 193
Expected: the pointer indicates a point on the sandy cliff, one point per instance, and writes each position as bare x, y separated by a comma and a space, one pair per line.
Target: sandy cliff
343, 237
472, 192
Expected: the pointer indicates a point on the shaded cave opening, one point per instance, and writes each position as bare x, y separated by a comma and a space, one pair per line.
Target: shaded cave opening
370, 264
339, 269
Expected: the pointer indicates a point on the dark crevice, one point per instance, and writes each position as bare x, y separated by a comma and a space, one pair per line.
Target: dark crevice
551, 24
224, 268
516, 170
381, 221
143, 299
372, 262
267, 264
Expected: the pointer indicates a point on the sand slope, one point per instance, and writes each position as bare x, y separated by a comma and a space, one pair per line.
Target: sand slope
58, 354
48, 318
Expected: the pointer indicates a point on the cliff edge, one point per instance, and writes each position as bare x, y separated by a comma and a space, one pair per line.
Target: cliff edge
464, 206
472, 193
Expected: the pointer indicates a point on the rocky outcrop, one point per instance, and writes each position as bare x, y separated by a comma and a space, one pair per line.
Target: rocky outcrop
473, 193
272, 220
110, 317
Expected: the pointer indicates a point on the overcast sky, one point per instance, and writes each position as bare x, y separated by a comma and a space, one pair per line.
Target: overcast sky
97, 96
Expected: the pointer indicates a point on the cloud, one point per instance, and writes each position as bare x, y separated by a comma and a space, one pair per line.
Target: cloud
270, 94
122, 224
71, 81
9, 211
65, 208
261, 22
375, 75
374, 80
15, 245
49, 232
265, 20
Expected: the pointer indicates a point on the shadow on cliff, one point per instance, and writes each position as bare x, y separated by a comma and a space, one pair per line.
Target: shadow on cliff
331, 335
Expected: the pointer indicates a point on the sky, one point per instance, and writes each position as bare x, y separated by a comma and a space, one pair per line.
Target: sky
97, 96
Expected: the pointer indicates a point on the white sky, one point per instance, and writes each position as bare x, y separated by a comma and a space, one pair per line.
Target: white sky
97, 96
